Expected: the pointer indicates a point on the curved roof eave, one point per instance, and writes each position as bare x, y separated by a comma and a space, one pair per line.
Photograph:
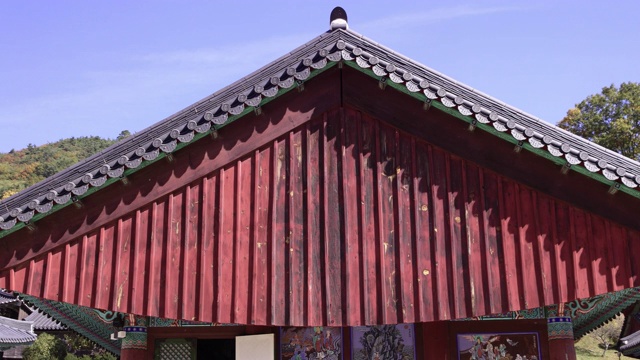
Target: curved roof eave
290, 71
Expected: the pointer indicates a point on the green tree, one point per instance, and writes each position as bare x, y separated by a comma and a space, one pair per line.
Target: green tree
100, 356
123, 134
608, 334
46, 347
610, 119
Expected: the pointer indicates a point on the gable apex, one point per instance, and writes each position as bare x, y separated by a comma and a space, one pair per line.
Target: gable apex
339, 46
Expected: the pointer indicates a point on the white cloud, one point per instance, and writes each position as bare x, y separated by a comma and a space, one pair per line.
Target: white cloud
432, 16
142, 90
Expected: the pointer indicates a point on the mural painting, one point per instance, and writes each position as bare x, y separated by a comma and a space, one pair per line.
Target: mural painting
312, 343
386, 342
499, 346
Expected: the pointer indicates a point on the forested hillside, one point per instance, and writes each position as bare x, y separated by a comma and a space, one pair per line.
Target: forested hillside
22, 168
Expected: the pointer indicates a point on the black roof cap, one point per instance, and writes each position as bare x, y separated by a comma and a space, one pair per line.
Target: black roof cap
338, 18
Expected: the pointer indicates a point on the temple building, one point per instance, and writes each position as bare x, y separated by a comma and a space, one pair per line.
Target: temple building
342, 202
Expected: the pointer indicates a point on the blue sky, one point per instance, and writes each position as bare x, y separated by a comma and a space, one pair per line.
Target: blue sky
80, 68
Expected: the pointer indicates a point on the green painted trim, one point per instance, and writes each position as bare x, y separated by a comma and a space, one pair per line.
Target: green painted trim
79, 319
162, 155
399, 87
453, 112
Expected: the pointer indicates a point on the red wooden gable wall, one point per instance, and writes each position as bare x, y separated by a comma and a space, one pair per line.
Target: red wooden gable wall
331, 217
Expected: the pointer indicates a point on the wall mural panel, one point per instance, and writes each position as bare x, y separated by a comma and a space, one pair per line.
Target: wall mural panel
311, 343
499, 346
386, 342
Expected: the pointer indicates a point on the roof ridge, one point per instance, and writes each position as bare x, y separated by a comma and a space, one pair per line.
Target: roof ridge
17, 324
289, 71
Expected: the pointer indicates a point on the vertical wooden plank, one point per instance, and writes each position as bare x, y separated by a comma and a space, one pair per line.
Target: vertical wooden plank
589, 253
599, 254
579, 234
36, 277
633, 239
225, 244
9, 281
443, 271
5, 281
174, 247
529, 258
87, 269
20, 277
405, 228
511, 243
297, 245
620, 252
490, 214
387, 202
351, 179
262, 208
139, 299
423, 240
314, 260
333, 226
158, 257
545, 250
464, 303
242, 249
53, 275
614, 267
476, 250
370, 238
106, 250
190, 270
123, 245
279, 246
564, 251
71, 285
208, 259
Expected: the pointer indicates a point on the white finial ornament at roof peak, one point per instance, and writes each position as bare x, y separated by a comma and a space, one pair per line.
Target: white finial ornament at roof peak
339, 19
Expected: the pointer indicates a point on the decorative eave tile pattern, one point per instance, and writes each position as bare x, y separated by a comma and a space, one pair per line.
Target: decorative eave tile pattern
291, 71
630, 345
90, 323
7, 298
592, 313
15, 332
44, 322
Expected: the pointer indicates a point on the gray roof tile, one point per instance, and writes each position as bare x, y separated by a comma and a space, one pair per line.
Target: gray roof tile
44, 322
16, 332
630, 345
7, 298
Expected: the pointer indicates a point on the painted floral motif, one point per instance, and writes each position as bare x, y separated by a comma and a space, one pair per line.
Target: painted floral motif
499, 346
316, 343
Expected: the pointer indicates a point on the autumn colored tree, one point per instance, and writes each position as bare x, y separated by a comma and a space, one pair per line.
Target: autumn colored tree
23, 168
610, 119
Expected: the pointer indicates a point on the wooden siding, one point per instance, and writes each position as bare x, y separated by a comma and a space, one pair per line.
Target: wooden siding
343, 220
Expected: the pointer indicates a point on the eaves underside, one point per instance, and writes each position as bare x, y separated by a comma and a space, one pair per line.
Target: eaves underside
291, 72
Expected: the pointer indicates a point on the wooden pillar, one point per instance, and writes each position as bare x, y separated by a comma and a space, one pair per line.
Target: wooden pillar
134, 344
435, 341
560, 330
